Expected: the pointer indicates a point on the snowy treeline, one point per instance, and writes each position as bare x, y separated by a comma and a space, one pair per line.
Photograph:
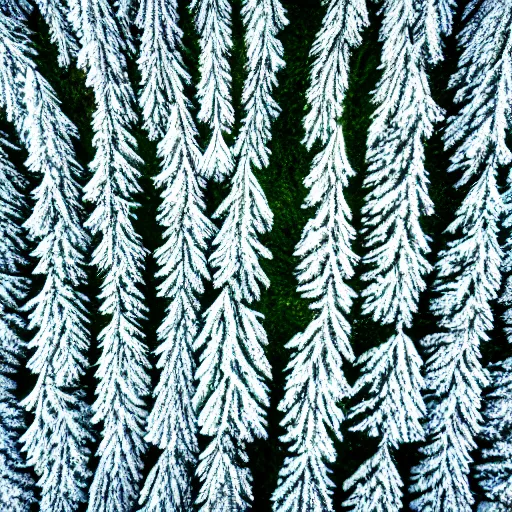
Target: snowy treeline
101, 411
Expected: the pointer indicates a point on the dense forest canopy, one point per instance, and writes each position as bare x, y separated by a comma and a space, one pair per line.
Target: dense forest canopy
285, 312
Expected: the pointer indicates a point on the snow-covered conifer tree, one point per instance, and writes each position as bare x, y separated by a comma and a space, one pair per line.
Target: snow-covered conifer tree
119, 256
391, 404
172, 422
56, 441
495, 473
315, 383
159, 64
468, 270
16, 484
213, 22
55, 13
232, 393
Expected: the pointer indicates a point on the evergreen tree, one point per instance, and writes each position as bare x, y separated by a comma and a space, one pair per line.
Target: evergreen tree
56, 441
55, 13
119, 257
315, 382
391, 406
468, 270
213, 22
495, 473
159, 64
232, 393
182, 262
16, 484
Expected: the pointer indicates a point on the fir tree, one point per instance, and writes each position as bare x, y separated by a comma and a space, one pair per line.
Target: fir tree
172, 422
495, 473
468, 270
232, 393
391, 406
56, 441
119, 257
213, 22
315, 383
159, 64
16, 484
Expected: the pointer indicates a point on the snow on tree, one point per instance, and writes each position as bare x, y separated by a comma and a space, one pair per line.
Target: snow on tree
468, 270
16, 484
159, 64
445, 10
15, 8
55, 13
213, 22
124, 13
315, 382
232, 393
391, 406
172, 422
495, 473
56, 441
119, 257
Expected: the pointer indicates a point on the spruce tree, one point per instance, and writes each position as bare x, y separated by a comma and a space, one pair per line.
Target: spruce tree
181, 259
468, 270
56, 441
315, 383
232, 391
119, 257
213, 23
16, 484
495, 472
159, 64
390, 406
